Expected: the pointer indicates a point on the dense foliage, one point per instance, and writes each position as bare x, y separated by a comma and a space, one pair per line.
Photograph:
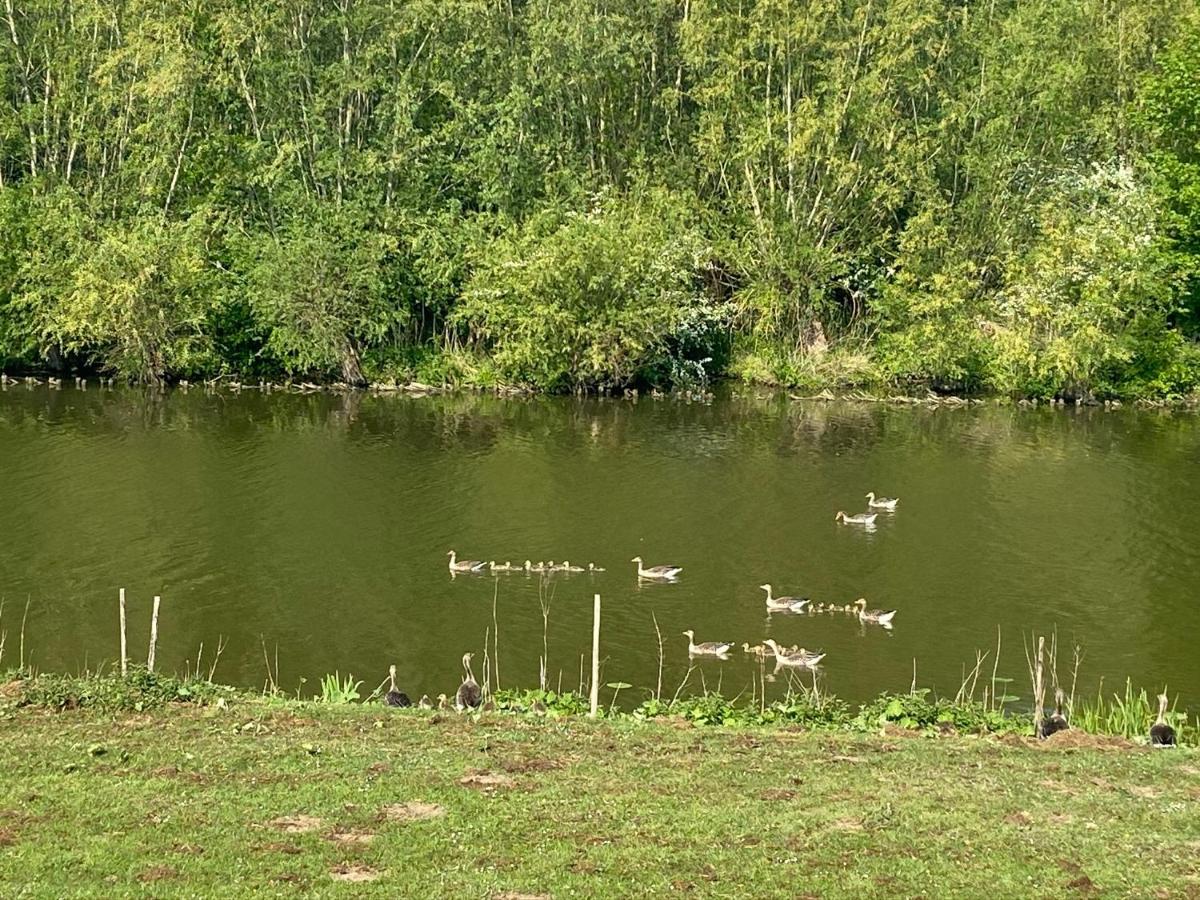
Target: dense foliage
998, 195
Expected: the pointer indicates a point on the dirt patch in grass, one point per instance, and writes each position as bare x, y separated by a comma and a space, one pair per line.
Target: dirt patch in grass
158, 873
776, 794
412, 811
8, 837
187, 849
1071, 739
518, 895
848, 823
354, 874
486, 781
350, 837
532, 764
278, 847
379, 768
10, 690
296, 824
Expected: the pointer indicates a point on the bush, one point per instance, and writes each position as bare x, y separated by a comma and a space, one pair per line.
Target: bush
602, 299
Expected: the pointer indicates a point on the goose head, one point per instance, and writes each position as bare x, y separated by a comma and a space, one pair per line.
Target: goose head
765, 587
636, 559
841, 515
690, 634
861, 603
870, 495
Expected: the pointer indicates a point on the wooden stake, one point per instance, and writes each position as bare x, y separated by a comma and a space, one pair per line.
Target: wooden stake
595, 656
124, 646
1039, 688
153, 635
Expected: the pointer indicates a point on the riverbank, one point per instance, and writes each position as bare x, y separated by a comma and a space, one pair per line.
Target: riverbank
819, 392
251, 795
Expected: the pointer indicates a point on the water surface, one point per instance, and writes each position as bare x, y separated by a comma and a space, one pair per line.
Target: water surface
319, 524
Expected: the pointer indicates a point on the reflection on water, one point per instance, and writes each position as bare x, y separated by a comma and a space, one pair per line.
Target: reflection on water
320, 524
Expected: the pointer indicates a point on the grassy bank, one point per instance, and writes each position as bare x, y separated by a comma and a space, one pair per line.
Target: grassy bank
252, 796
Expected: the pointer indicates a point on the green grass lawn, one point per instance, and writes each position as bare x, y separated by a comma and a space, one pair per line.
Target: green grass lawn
283, 800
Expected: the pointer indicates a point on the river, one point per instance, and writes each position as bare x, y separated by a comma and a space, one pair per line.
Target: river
318, 525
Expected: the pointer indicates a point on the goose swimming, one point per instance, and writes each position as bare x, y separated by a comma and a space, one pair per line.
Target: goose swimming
466, 565
883, 617
662, 573
789, 604
860, 519
797, 658
888, 503
708, 648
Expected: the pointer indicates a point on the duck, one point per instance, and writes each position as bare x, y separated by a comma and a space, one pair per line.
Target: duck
662, 573
707, 648
469, 694
888, 503
592, 567
1162, 734
394, 696
796, 657
860, 519
883, 617
1057, 722
467, 565
791, 604
424, 702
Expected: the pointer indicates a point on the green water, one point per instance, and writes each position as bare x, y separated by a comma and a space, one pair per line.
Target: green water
319, 525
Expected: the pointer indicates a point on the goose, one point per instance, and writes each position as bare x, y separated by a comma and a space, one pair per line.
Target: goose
662, 573
567, 567
469, 694
795, 657
538, 708
424, 702
757, 650
467, 565
395, 697
888, 503
860, 519
792, 604
1057, 722
883, 617
443, 702
489, 706
1162, 734
592, 567
708, 648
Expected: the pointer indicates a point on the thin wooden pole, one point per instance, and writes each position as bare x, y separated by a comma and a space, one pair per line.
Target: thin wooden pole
1039, 689
124, 646
153, 635
595, 656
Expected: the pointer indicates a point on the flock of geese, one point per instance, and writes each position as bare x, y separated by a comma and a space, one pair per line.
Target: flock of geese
470, 696
477, 566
